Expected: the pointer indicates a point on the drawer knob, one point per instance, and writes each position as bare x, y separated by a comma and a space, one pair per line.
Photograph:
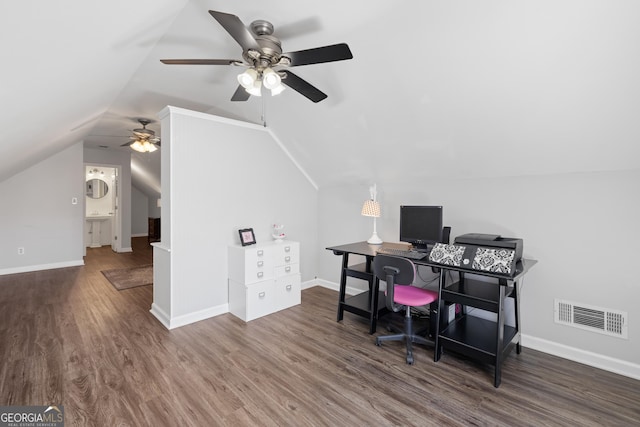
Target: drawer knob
287, 248
261, 295
260, 274
260, 263
287, 269
288, 287
260, 252
287, 258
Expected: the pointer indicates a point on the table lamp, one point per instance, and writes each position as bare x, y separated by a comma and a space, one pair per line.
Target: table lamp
372, 208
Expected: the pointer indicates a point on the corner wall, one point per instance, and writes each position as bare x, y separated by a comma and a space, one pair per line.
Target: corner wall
218, 176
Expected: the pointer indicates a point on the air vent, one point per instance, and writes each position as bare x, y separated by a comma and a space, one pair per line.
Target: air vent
595, 319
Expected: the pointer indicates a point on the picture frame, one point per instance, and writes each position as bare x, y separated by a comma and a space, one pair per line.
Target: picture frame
247, 237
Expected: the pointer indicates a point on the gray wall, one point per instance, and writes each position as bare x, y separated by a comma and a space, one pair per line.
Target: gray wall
139, 213
582, 228
38, 215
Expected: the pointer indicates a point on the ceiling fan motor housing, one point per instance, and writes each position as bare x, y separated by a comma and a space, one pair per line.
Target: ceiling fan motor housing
270, 45
144, 133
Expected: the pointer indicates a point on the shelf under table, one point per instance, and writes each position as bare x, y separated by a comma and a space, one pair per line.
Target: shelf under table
476, 337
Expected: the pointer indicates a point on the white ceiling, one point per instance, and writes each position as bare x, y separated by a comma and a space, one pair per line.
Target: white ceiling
462, 88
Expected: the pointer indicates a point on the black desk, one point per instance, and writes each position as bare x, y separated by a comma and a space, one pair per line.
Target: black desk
483, 340
366, 303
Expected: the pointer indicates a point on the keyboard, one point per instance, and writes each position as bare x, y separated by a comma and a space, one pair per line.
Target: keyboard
402, 253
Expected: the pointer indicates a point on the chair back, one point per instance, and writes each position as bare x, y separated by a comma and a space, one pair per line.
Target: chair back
394, 271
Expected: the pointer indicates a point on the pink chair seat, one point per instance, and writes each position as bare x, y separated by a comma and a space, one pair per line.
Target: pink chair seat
413, 296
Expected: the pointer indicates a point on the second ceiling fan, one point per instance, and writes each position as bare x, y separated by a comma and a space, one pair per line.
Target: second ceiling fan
265, 62
143, 140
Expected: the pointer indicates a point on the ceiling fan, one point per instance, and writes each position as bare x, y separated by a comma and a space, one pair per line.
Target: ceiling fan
143, 140
267, 65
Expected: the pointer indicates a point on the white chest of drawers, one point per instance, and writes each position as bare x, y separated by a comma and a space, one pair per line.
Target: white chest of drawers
263, 278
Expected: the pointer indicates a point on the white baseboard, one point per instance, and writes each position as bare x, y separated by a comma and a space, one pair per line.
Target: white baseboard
334, 286
186, 319
617, 366
160, 315
606, 363
140, 235
124, 250
29, 268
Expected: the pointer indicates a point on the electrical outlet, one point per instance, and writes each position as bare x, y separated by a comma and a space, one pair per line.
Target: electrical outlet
20, 251
74, 200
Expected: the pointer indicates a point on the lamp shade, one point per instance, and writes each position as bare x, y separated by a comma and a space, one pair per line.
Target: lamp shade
248, 78
371, 208
270, 79
277, 90
256, 89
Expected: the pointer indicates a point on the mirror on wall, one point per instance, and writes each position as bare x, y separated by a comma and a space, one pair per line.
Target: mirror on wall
97, 188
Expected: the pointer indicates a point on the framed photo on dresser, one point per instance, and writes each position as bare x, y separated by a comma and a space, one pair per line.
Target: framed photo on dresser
247, 237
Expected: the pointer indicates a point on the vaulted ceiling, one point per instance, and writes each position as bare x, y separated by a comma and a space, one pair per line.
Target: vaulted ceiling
464, 88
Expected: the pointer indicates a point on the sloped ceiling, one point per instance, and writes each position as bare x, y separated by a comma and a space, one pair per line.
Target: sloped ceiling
463, 88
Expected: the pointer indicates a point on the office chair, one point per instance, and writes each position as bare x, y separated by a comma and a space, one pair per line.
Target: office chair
399, 274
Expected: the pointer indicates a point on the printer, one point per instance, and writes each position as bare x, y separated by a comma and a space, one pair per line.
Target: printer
492, 241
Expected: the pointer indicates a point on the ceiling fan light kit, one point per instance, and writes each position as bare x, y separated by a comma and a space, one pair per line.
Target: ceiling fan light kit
144, 140
262, 53
252, 81
143, 146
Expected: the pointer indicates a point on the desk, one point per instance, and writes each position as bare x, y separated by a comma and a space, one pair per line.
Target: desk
364, 304
483, 340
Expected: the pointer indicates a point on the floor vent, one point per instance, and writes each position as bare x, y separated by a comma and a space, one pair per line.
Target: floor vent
596, 319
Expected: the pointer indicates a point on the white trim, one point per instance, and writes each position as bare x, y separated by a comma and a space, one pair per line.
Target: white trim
288, 154
308, 284
622, 367
186, 319
336, 287
190, 113
29, 268
165, 111
160, 315
123, 250
160, 246
140, 235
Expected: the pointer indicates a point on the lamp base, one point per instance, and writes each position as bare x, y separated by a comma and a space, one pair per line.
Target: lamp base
374, 239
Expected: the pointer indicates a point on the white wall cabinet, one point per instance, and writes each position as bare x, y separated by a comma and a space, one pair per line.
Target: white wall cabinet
263, 278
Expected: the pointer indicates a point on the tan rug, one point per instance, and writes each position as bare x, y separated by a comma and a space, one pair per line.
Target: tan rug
127, 278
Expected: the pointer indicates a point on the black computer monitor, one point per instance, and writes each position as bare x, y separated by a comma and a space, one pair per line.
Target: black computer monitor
421, 225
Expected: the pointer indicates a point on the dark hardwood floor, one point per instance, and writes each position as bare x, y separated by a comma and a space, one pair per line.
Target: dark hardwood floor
68, 337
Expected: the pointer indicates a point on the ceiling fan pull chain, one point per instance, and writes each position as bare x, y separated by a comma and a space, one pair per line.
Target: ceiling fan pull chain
264, 114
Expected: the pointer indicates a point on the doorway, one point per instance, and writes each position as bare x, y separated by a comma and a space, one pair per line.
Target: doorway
103, 222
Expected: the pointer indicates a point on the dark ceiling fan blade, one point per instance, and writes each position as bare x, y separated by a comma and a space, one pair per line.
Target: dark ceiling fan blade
240, 94
302, 86
201, 61
236, 29
335, 52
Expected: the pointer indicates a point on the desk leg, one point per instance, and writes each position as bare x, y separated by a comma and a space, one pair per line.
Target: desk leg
343, 285
437, 348
500, 338
373, 317
516, 306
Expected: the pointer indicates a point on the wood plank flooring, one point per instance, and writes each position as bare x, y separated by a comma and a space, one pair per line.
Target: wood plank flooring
68, 337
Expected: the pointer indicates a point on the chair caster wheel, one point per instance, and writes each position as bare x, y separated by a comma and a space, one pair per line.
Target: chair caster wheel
409, 360
378, 343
